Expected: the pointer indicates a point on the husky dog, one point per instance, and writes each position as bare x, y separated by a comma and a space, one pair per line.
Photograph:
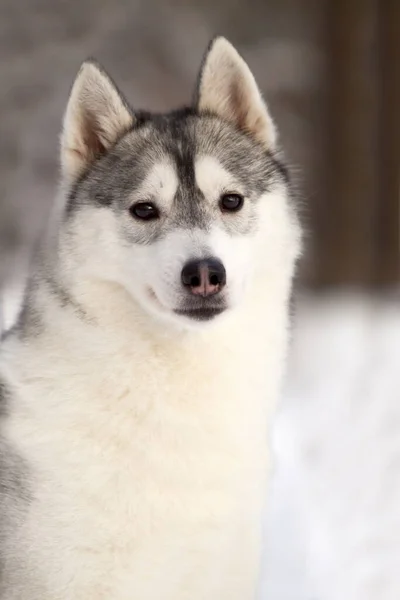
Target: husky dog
137, 383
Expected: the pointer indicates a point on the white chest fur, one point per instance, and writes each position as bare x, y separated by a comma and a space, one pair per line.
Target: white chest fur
148, 464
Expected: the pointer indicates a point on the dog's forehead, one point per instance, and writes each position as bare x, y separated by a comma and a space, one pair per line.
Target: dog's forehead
201, 153
187, 161
213, 178
164, 179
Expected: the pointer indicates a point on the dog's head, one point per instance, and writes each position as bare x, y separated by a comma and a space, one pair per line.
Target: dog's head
184, 210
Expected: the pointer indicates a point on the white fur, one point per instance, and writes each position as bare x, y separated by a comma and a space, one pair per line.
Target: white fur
161, 183
146, 440
153, 439
213, 179
155, 444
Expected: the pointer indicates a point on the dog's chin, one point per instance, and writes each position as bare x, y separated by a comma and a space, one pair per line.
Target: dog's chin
188, 314
201, 314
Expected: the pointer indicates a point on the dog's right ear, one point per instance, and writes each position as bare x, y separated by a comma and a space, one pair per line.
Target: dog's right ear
227, 88
96, 116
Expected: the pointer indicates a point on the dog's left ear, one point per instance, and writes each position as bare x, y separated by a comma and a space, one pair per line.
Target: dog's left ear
227, 88
96, 116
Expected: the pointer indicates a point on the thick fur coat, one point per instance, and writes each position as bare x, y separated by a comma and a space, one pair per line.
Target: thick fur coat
134, 404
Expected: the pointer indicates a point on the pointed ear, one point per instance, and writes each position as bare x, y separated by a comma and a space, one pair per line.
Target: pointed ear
96, 116
227, 88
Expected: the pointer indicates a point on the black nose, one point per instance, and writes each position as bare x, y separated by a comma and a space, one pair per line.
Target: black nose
204, 277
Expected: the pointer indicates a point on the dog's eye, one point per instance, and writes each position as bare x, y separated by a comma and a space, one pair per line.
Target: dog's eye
231, 202
145, 211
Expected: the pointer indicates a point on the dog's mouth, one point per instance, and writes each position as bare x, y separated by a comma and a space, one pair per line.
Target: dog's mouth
204, 313
204, 309
200, 311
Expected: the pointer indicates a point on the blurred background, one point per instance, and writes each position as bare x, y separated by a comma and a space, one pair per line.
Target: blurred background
330, 71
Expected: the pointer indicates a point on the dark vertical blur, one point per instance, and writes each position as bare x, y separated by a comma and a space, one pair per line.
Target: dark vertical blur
357, 222
388, 214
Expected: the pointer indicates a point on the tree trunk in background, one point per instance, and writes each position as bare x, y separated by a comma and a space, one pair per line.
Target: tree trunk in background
344, 245
357, 220
387, 259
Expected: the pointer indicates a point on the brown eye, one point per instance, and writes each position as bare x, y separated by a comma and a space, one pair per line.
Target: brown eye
231, 202
145, 211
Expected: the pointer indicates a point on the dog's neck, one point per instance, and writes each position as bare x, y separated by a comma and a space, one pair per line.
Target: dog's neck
101, 337
95, 303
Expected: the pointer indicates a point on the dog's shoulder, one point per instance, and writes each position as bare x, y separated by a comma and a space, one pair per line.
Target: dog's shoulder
14, 488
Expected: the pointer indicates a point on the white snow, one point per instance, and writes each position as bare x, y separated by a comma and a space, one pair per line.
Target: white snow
333, 525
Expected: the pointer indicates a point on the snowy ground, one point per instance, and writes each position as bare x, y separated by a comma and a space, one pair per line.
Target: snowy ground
333, 523
334, 520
